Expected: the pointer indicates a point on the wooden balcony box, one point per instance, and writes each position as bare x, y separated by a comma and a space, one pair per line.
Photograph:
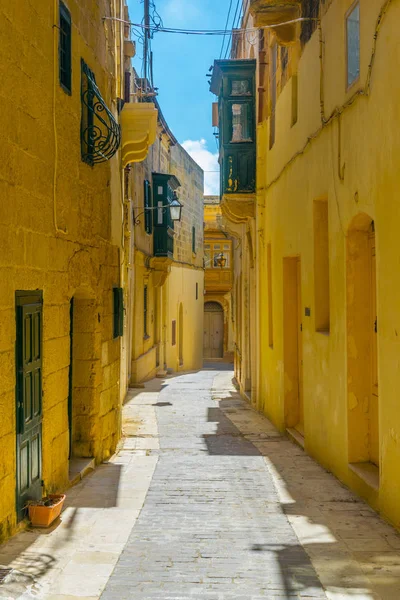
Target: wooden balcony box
233, 81
271, 12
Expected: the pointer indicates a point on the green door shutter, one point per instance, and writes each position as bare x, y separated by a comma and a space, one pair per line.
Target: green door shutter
29, 306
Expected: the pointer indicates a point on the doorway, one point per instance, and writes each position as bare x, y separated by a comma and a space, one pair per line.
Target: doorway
362, 347
213, 344
293, 344
29, 309
181, 335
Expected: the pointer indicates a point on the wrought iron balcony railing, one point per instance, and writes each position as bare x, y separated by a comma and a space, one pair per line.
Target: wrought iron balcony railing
100, 132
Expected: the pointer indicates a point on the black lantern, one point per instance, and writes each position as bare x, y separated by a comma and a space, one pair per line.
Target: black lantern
175, 209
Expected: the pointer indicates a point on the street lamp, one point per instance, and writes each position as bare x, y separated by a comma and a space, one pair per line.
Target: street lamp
175, 209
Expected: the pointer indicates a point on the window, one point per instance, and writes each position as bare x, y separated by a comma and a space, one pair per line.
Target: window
148, 222
145, 312
118, 297
194, 239
241, 123
65, 48
197, 291
270, 313
173, 333
353, 44
321, 266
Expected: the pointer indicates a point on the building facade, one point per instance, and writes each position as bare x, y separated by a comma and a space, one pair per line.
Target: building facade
61, 220
218, 263
166, 268
323, 219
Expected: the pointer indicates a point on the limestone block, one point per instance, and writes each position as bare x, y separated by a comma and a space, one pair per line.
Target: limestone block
55, 387
85, 400
7, 412
7, 371
87, 373
85, 316
7, 330
56, 354
7, 455
55, 422
11, 246
56, 321
87, 345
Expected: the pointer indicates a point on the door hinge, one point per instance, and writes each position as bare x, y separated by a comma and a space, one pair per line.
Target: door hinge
376, 325
301, 326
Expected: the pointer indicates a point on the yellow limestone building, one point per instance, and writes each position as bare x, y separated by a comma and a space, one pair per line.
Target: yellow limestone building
326, 218
166, 270
61, 231
218, 264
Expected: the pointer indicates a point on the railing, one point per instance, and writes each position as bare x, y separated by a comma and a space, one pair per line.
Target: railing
100, 132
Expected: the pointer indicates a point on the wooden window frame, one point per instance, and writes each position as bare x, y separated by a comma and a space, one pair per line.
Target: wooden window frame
346, 17
147, 203
65, 48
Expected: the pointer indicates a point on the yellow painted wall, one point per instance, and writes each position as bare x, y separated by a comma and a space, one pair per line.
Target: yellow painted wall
56, 223
343, 149
170, 283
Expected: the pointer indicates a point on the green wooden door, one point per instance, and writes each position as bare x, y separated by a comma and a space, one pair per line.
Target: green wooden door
29, 307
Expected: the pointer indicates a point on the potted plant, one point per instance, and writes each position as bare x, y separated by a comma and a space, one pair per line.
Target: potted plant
43, 512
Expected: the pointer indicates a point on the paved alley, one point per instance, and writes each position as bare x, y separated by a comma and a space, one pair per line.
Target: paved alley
206, 501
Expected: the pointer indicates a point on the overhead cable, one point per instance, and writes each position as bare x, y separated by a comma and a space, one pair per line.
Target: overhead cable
222, 32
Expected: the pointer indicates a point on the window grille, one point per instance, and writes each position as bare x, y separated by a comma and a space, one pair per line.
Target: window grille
100, 132
65, 48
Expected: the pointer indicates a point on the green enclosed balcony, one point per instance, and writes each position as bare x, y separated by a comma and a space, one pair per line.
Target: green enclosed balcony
233, 81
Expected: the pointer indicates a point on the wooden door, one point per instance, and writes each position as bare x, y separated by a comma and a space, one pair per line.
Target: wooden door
213, 330
374, 412
29, 308
293, 344
300, 424
207, 334
217, 334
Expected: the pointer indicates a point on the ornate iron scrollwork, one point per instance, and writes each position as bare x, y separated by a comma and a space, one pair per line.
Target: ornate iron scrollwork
100, 132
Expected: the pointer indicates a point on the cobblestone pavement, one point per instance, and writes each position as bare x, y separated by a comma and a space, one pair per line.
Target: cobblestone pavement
220, 521
205, 500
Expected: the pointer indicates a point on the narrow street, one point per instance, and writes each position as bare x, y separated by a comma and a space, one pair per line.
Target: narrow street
205, 500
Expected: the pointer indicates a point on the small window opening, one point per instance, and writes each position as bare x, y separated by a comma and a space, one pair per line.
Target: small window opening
321, 266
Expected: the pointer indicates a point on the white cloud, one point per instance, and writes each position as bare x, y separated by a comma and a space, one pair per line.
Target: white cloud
208, 162
181, 10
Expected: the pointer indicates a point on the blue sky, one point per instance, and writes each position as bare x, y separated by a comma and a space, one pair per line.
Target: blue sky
180, 66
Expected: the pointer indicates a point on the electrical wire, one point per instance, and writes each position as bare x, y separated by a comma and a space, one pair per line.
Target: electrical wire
239, 4
208, 32
226, 27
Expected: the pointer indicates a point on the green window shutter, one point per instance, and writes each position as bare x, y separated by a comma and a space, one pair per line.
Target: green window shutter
193, 239
145, 332
118, 294
148, 222
65, 48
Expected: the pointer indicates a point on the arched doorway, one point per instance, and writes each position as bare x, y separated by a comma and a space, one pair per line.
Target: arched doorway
362, 327
213, 330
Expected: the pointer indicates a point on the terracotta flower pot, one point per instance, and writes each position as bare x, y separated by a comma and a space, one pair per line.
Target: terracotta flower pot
43, 516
